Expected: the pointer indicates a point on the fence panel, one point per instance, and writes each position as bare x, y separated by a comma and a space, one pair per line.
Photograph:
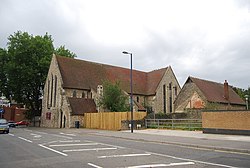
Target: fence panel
186, 124
110, 120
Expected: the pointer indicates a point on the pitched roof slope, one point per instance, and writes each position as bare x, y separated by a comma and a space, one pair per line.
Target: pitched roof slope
79, 74
214, 92
154, 78
80, 105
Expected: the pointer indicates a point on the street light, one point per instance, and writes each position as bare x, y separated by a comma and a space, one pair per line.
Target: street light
131, 91
246, 97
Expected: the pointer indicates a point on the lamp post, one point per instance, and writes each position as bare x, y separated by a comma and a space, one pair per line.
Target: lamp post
246, 97
131, 90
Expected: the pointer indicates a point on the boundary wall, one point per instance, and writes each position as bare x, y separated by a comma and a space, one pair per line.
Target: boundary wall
226, 122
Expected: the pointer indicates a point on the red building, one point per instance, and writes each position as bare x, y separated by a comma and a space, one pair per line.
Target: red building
13, 113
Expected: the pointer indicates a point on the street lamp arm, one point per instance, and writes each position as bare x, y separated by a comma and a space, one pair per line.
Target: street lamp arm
125, 52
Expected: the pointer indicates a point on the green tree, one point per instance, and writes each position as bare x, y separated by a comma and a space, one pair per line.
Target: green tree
3, 76
62, 51
242, 92
26, 64
113, 97
29, 59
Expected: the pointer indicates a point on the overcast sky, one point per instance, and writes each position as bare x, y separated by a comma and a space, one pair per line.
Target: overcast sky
208, 39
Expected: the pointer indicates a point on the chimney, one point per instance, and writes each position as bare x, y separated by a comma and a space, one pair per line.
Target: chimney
226, 91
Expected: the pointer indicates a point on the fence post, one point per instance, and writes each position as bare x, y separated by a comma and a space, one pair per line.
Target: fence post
172, 123
146, 123
158, 123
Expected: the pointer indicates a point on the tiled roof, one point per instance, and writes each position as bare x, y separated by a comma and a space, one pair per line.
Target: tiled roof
81, 105
81, 74
140, 106
214, 92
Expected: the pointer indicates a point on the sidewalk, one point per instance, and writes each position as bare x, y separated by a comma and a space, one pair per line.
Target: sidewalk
196, 139
193, 134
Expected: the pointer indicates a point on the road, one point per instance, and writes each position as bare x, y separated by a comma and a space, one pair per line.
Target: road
75, 148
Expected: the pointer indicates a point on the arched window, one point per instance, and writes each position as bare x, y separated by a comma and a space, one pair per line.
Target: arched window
175, 91
74, 93
51, 91
55, 89
48, 105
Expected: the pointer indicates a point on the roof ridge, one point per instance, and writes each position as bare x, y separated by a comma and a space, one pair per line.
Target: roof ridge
158, 69
206, 80
97, 63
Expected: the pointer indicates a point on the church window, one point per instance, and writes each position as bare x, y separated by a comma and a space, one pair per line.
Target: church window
48, 105
55, 91
74, 93
51, 90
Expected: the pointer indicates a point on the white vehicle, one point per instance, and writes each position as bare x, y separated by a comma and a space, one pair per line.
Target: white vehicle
4, 126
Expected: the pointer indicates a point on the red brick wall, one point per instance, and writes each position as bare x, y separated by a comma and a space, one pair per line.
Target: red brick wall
14, 114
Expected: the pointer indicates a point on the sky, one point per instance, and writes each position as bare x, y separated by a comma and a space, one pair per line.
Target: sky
207, 39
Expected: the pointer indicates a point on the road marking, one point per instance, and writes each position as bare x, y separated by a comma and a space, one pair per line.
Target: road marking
163, 165
49, 142
53, 150
181, 163
25, 139
61, 136
36, 135
67, 134
60, 142
70, 141
91, 164
11, 134
86, 144
42, 132
127, 155
112, 145
94, 149
191, 160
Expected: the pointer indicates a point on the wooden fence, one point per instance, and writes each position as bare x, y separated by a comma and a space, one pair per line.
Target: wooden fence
183, 124
110, 120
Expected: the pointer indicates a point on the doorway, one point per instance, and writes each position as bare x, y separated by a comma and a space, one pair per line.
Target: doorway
61, 119
64, 121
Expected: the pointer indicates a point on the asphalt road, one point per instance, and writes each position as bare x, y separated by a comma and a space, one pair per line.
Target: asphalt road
72, 148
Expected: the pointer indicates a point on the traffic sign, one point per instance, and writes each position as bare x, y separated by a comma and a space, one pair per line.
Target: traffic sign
1, 110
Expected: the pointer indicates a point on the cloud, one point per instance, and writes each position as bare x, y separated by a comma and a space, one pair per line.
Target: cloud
205, 39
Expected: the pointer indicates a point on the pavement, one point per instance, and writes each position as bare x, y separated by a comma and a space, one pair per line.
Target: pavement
191, 139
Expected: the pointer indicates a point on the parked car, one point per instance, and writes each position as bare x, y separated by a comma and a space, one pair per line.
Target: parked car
23, 122
11, 124
4, 128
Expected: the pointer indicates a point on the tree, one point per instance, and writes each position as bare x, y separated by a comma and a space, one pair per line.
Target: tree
113, 97
27, 61
3, 76
242, 92
62, 51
